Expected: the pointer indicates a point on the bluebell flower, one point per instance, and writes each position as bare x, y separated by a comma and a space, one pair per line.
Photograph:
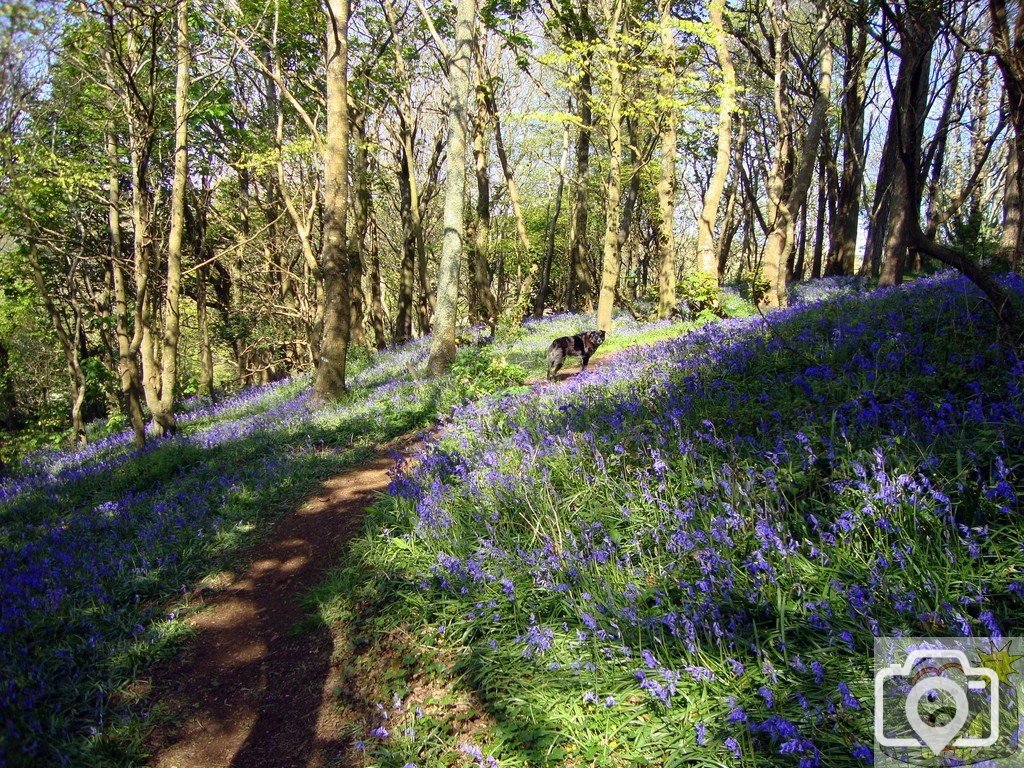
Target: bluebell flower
733, 746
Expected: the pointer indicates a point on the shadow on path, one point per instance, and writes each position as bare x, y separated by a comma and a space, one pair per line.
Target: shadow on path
250, 691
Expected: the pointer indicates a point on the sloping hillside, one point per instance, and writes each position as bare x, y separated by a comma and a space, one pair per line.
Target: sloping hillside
683, 557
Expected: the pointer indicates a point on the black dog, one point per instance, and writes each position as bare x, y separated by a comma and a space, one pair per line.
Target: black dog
581, 345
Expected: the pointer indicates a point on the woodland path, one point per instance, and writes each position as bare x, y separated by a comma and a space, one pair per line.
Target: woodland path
249, 691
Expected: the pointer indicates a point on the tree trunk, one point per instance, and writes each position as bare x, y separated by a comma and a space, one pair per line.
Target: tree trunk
487, 88
330, 375
788, 207
919, 29
1011, 243
797, 256
407, 276
888, 168
9, 417
378, 317
1010, 46
483, 307
142, 226
549, 251
613, 182
937, 151
842, 252
442, 343
819, 220
163, 417
423, 306
205, 348
921, 24
667, 182
68, 338
357, 236
632, 197
579, 294
773, 263
127, 367
727, 105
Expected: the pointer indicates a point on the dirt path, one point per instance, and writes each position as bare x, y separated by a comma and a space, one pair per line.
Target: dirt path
249, 692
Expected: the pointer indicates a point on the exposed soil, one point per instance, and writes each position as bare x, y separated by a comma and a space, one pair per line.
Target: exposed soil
249, 691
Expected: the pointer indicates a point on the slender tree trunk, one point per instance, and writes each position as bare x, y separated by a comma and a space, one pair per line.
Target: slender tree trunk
1011, 243
205, 348
888, 168
9, 416
357, 235
378, 317
727, 105
484, 306
938, 151
730, 226
330, 375
632, 196
981, 109
442, 343
526, 287
549, 251
407, 276
142, 225
423, 299
920, 26
124, 57
127, 367
68, 339
580, 290
234, 270
613, 182
773, 264
667, 182
795, 267
780, 239
842, 253
819, 222
163, 417
733, 222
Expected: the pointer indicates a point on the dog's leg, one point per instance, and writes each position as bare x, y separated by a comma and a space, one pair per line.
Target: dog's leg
586, 359
555, 365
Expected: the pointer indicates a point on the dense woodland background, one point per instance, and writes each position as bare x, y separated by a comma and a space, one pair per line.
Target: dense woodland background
198, 195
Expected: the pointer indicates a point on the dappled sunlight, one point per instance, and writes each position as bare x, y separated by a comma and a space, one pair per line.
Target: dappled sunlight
256, 685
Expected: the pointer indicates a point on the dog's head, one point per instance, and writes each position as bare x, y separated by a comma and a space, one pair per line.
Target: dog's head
596, 338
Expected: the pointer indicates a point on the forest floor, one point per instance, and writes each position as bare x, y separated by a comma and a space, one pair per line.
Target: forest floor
257, 685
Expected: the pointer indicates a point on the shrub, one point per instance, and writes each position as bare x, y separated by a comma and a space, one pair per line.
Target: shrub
479, 371
700, 296
754, 285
